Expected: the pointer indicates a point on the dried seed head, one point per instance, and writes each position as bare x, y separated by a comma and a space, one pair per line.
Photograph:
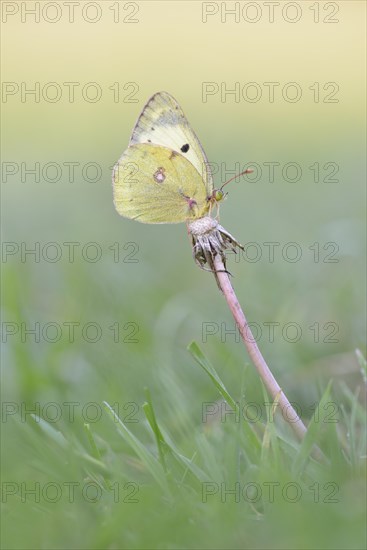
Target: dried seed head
209, 239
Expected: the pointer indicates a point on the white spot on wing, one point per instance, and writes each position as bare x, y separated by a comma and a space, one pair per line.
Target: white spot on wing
159, 175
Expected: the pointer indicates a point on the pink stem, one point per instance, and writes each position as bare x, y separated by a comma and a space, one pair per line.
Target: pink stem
289, 414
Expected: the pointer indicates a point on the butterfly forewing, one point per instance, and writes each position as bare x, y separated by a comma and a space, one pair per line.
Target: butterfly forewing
162, 122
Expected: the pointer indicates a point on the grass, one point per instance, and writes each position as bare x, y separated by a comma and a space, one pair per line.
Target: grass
194, 461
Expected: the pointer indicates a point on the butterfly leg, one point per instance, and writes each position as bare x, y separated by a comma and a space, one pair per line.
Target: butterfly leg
190, 201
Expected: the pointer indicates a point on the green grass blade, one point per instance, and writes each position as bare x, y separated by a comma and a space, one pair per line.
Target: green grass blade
252, 438
50, 431
150, 415
313, 430
94, 449
270, 447
146, 457
164, 445
362, 364
209, 369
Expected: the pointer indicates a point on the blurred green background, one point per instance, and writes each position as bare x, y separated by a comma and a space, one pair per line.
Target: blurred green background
136, 290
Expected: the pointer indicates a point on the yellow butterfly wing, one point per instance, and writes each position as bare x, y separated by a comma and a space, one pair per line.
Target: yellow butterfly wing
162, 122
154, 184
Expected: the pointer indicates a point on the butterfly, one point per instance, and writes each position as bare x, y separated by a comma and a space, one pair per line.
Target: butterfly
164, 176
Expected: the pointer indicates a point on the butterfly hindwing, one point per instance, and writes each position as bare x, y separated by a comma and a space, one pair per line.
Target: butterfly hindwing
162, 122
154, 184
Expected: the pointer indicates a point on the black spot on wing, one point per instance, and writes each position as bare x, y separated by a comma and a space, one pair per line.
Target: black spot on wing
185, 148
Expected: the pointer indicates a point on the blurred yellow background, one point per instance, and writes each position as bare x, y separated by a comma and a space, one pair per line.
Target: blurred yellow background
167, 46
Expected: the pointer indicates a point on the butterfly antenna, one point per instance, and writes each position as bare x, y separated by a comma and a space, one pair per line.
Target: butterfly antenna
247, 171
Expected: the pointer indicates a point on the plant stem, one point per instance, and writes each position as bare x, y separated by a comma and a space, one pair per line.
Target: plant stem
272, 386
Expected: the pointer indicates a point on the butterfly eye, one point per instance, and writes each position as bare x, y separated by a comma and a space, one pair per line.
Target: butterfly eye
185, 148
218, 195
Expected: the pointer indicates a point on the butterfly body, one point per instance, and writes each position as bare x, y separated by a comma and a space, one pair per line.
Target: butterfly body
163, 176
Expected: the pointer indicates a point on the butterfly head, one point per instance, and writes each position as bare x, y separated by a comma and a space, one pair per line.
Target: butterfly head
218, 194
